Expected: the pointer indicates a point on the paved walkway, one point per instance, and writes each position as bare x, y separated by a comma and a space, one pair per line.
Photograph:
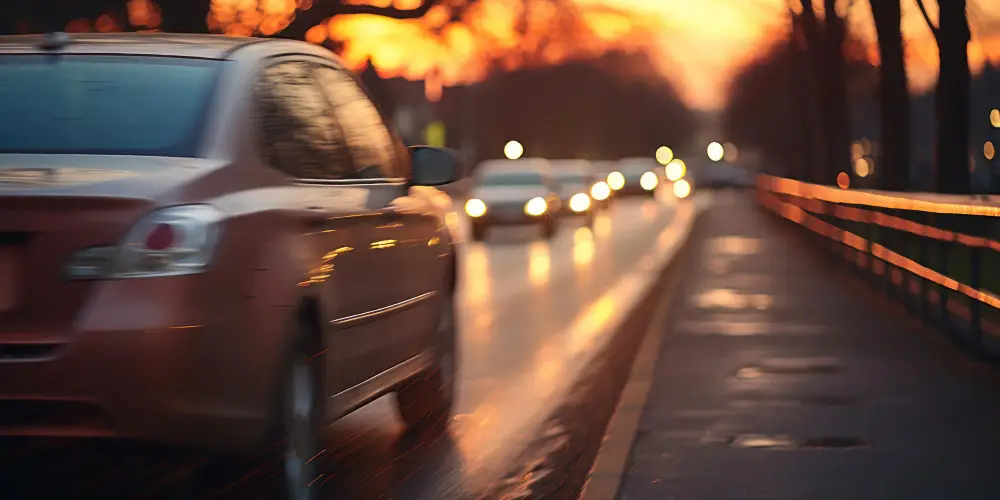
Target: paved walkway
782, 376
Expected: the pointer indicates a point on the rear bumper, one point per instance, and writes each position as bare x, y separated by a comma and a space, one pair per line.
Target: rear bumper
630, 189
141, 362
511, 220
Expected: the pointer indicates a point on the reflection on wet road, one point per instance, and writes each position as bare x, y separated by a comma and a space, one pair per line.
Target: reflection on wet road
531, 314
519, 294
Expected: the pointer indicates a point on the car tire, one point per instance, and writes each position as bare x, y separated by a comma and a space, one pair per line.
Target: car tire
302, 417
549, 229
425, 402
478, 232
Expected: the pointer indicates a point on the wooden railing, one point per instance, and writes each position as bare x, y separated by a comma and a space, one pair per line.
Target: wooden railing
935, 253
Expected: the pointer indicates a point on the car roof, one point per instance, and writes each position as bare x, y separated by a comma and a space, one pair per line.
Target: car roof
568, 164
151, 44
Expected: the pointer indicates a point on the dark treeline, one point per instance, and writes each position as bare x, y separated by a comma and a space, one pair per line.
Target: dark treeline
815, 91
594, 109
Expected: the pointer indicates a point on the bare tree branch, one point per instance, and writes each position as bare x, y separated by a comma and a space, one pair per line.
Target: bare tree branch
930, 24
392, 12
323, 9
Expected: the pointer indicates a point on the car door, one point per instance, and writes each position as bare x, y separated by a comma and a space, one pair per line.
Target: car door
301, 137
403, 243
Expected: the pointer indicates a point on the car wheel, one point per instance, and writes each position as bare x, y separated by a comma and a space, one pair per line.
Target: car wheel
426, 401
303, 418
549, 228
478, 232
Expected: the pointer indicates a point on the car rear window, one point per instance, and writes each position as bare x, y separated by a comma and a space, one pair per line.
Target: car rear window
570, 176
512, 179
114, 105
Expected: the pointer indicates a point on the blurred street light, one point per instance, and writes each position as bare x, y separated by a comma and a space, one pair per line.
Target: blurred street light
715, 151
664, 154
989, 150
513, 150
995, 118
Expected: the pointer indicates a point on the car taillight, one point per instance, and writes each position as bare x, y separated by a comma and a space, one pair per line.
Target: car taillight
168, 242
160, 238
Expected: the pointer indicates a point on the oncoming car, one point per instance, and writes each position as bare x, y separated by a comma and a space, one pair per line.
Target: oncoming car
638, 176
580, 191
214, 243
513, 192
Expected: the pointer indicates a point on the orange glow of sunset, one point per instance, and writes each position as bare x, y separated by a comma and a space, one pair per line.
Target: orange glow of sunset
698, 44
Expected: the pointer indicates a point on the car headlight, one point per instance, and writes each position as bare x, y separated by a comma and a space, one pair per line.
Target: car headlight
536, 206
579, 202
682, 189
616, 180
648, 181
600, 191
675, 170
169, 242
475, 207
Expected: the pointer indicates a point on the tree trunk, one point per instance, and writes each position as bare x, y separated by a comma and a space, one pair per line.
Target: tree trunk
894, 98
811, 40
838, 141
952, 99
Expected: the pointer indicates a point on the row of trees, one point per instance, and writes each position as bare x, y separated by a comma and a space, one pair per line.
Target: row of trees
809, 84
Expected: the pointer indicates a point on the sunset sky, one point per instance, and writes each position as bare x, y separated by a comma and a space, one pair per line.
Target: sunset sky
699, 44
706, 40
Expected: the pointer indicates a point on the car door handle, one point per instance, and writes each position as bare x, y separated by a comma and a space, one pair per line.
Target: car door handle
391, 214
316, 217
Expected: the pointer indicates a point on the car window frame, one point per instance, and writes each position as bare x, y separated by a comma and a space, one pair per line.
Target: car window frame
399, 159
313, 59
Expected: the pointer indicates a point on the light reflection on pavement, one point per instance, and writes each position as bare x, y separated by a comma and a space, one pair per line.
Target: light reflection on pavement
519, 295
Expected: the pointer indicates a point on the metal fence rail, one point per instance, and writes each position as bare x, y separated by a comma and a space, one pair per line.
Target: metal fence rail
935, 253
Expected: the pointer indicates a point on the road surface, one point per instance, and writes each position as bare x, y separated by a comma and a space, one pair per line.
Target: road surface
532, 314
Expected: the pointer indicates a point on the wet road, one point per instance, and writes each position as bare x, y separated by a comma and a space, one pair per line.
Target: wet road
532, 313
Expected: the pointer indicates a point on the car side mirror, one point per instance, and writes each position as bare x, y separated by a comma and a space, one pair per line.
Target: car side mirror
434, 166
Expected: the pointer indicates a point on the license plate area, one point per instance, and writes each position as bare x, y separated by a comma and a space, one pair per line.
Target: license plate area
8, 277
11, 246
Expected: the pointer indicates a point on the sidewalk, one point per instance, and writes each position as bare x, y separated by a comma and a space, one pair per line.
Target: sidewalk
781, 376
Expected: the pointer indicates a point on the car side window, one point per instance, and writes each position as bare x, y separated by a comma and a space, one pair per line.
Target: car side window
368, 138
299, 132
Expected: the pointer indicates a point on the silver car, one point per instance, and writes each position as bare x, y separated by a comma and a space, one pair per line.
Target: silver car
513, 193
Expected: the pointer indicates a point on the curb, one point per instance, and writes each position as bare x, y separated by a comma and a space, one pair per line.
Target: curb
608, 469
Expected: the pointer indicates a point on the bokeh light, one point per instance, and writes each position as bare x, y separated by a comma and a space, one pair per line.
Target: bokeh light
616, 180
843, 180
715, 151
995, 118
513, 150
682, 189
676, 170
989, 150
664, 154
730, 152
862, 167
